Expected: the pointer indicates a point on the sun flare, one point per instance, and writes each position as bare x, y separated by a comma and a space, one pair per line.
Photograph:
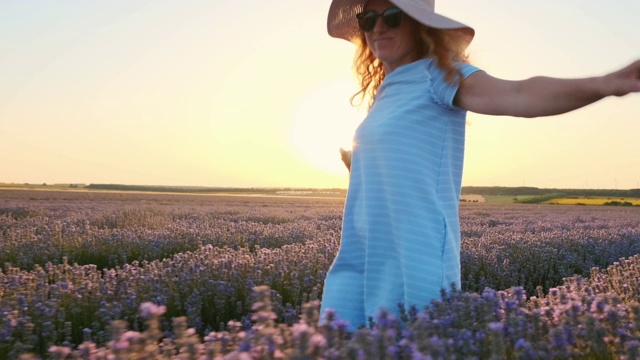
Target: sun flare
323, 122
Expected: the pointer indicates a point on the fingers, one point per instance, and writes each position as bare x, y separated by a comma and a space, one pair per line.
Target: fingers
346, 158
632, 71
623, 81
635, 76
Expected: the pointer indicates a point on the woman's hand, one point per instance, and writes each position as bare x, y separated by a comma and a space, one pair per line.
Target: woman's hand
623, 81
346, 158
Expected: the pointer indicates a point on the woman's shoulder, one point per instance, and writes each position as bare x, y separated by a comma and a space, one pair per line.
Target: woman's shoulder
431, 65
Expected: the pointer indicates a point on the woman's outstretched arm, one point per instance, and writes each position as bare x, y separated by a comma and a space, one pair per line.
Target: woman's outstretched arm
542, 96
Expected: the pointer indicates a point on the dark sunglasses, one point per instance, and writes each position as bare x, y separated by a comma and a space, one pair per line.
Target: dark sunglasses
392, 18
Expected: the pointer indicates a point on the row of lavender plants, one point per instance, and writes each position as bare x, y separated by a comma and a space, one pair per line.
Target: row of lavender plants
201, 258
114, 234
596, 318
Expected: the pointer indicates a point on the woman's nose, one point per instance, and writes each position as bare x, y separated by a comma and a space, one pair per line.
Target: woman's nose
380, 26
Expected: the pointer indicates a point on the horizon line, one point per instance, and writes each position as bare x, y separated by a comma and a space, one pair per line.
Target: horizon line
206, 187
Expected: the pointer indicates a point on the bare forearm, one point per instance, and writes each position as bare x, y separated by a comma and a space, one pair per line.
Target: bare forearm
545, 96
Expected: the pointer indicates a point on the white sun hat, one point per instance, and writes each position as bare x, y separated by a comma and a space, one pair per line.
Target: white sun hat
342, 23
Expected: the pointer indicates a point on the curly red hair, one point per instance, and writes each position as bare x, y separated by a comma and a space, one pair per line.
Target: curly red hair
445, 46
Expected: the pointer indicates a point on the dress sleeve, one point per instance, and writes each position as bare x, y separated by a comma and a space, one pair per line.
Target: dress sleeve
444, 92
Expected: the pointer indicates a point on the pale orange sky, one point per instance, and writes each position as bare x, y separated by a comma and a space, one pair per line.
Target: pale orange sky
254, 93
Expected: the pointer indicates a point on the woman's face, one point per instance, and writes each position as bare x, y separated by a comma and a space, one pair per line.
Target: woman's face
392, 46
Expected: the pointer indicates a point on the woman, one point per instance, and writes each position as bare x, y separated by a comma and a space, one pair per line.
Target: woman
401, 234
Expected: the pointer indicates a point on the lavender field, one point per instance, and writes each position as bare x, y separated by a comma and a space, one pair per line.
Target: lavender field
105, 275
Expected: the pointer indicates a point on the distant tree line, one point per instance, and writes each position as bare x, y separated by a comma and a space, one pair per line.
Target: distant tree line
161, 188
202, 190
466, 190
534, 191
618, 203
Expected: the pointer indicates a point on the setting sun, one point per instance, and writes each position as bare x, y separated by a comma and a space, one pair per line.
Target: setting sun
114, 93
324, 122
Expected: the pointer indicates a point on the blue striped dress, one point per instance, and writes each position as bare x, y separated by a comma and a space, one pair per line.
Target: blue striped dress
401, 232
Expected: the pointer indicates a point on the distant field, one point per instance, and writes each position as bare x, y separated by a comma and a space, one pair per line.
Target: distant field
593, 200
43, 186
505, 199
491, 195
185, 190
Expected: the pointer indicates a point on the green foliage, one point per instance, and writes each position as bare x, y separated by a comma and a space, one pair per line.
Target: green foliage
538, 199
534, 191
617, 203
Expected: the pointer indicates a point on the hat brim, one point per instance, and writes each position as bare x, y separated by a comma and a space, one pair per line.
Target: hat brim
342, 23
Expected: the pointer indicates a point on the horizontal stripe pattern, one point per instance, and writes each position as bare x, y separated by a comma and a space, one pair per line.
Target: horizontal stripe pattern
401, 233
